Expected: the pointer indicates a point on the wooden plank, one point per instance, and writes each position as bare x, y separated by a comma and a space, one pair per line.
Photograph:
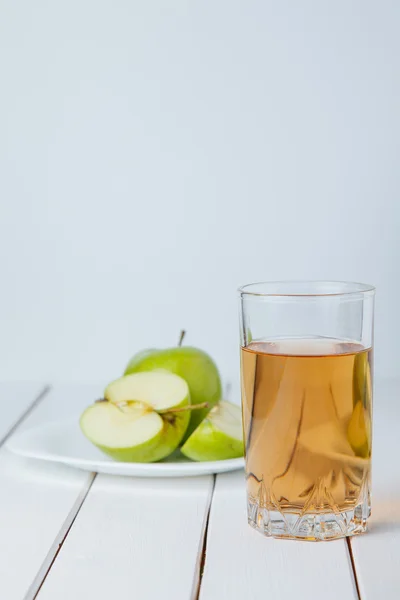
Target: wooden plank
376, 555
241, 563
133, 538
38, 501
16, 400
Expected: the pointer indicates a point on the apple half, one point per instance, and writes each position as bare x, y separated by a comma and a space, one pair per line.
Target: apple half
142, 418
219, 436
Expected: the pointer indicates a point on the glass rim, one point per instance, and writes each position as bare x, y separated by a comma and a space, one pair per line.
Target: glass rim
317, 288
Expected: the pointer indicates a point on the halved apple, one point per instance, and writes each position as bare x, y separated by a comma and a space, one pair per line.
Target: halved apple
143, 417
219, 436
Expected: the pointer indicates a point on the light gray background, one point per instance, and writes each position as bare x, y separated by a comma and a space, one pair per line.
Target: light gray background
156, 155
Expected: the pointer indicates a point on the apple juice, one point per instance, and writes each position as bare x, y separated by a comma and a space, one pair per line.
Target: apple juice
307, 430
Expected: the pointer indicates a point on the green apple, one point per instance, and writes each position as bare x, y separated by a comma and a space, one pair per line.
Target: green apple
142, 418
359, 428
219, 436
195, 366
139, 356
362, 385
359, 431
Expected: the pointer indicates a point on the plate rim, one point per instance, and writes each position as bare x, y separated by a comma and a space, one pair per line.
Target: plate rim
185, 468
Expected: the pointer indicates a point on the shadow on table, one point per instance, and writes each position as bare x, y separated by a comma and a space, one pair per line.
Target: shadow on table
385, 515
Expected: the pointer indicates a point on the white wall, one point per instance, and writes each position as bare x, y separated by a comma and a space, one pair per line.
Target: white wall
155, 155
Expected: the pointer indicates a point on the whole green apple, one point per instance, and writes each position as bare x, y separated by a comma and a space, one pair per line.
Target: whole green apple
195, 366
139, 356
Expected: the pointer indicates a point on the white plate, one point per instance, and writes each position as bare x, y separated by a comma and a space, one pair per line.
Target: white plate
63, 442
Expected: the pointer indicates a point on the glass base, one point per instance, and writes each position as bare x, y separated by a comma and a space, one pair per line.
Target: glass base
314, 527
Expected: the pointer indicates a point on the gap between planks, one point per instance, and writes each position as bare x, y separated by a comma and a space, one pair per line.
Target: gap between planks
201, 556
58, 543
25, 413
353, 568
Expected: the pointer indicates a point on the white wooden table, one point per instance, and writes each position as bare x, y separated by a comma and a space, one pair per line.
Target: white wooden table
66, 534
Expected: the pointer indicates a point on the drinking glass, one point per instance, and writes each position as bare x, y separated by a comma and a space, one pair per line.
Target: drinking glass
306, 375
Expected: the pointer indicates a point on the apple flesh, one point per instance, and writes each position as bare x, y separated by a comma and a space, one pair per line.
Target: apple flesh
195, 366
219, 436
142, 418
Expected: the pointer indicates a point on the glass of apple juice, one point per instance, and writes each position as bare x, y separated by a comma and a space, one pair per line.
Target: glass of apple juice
306, 374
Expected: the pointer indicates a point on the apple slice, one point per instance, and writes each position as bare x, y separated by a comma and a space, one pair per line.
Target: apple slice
143, 417
219, 436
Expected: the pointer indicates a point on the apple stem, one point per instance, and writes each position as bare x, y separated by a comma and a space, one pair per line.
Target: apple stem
182, 335
183, 408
